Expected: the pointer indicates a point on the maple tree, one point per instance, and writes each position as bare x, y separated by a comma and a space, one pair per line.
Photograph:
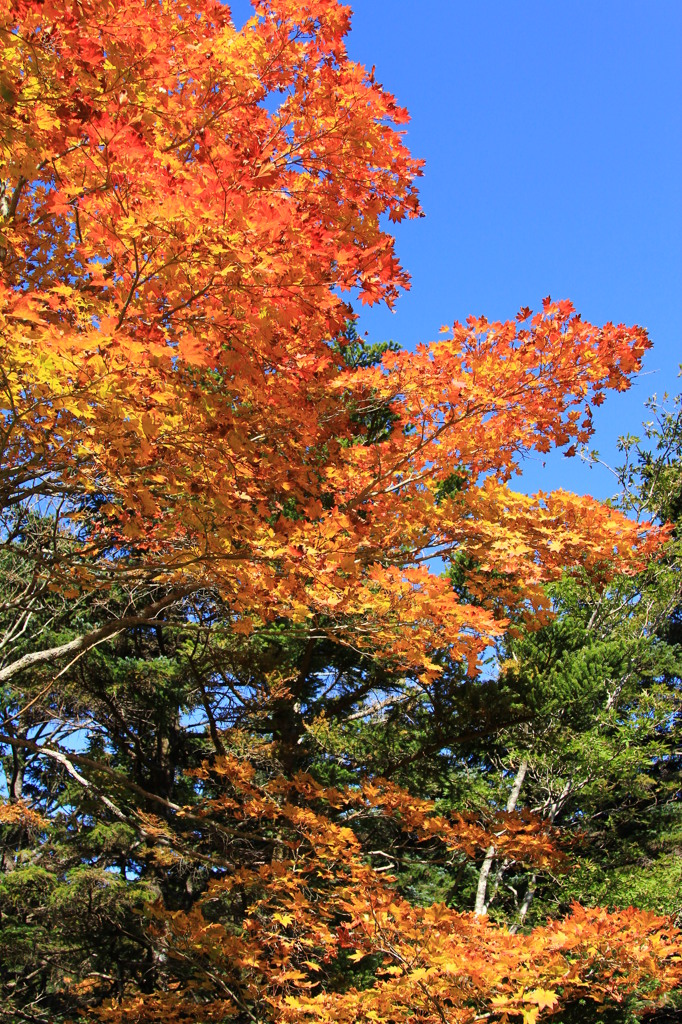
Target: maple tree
187, 440
174, 258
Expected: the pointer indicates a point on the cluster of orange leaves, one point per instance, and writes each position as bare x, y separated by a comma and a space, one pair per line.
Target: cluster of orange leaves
185, 205
17, 814
280, 935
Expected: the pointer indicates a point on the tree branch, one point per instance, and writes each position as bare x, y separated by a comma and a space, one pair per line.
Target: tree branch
83, 643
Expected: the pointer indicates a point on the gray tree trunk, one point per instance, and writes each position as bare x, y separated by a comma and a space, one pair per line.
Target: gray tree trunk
481, 905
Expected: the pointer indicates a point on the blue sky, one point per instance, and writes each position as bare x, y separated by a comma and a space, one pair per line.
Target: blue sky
552, 135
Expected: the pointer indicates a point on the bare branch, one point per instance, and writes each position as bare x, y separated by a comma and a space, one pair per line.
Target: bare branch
83, 643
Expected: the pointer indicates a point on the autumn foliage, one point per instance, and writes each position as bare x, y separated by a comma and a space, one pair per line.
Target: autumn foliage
187, 211
312, 902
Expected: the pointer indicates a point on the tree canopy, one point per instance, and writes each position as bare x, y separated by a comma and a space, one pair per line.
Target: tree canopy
256, 769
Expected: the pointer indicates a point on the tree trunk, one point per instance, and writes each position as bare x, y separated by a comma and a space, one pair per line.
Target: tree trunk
481, 906
553, 808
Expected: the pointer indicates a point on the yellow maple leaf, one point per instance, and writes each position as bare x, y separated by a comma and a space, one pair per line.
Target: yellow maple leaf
542, 997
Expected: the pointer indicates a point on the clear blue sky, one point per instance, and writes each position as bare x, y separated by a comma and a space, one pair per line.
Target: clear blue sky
552, 135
